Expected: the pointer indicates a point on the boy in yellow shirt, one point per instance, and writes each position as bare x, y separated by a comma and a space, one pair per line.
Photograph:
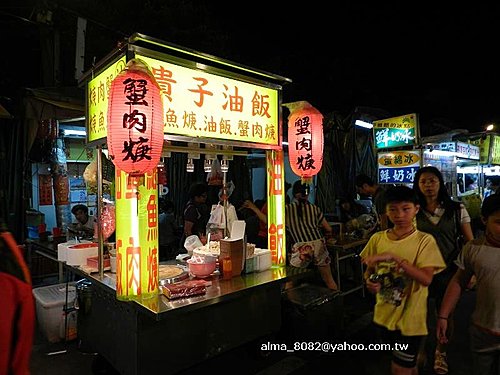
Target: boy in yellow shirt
401, 263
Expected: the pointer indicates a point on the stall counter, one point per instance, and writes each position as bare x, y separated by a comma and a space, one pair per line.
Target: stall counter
157, 334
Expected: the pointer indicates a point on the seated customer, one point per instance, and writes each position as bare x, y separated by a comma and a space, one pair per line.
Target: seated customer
84, 227
349, 209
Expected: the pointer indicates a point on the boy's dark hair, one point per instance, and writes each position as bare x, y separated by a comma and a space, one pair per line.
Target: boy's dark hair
396, 194
299, 187
491, 204
197, 189
362, 179
80, 207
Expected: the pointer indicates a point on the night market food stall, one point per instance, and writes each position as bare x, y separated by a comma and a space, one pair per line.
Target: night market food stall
193, 98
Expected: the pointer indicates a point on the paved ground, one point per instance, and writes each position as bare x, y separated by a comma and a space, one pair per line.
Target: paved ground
66, 358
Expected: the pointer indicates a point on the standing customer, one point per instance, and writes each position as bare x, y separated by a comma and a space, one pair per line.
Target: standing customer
401, 263
167, 230
366, 186
447, 221
261, 213
305, 221
196, 213
480, 257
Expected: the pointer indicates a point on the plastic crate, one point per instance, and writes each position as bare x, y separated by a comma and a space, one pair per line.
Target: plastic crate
50, 301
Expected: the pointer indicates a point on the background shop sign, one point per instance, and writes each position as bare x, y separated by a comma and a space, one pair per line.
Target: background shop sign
395, 132
398, 167
484, 148
200, 104
467, 151
495, 150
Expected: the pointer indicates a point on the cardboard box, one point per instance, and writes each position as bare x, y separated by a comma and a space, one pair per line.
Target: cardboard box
50, 301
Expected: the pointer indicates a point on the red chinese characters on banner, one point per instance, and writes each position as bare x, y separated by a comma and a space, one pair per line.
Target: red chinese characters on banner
152, 270
152, 218
133, 269
275, 193
305, 140
135, 120
45, 189
61, 190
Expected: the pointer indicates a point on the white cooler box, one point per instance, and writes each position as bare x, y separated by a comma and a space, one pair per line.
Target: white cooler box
50, 309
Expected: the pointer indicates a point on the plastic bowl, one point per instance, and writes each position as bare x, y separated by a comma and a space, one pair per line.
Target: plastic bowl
201, 269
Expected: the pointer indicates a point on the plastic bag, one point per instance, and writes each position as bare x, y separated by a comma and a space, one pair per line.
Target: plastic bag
217, 217
90, 173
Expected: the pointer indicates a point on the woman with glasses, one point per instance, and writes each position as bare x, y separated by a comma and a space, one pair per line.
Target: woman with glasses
447, 221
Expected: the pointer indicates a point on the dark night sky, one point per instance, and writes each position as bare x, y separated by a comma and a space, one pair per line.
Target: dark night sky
437, 61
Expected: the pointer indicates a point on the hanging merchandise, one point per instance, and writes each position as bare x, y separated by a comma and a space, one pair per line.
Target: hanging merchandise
59, 171
215, 177
108, 219
135, 120
162, 174
90, 173
305, 140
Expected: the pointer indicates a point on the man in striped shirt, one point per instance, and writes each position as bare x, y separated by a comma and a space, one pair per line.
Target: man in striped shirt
305, 223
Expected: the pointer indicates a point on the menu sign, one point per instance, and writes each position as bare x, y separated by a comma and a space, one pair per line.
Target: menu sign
398, 167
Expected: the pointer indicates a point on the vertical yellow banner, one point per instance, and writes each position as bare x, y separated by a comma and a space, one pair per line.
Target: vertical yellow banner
276, 206
136, 236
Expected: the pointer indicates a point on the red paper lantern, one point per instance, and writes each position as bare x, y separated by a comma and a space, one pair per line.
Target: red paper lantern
135, 120
305, 140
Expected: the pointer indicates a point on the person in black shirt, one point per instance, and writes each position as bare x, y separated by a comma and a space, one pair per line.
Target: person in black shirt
196, 213
366, 186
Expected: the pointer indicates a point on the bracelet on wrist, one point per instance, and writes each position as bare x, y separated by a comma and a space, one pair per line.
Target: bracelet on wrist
442, 317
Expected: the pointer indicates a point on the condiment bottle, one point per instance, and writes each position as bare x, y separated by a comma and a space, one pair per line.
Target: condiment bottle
227, 268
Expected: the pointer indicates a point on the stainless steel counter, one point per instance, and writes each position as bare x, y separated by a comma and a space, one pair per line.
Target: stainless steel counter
145, 335
219, 290
142, 336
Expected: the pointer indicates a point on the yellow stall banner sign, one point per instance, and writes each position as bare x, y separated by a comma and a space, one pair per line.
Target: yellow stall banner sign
201, 104
136, 236
276, 206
